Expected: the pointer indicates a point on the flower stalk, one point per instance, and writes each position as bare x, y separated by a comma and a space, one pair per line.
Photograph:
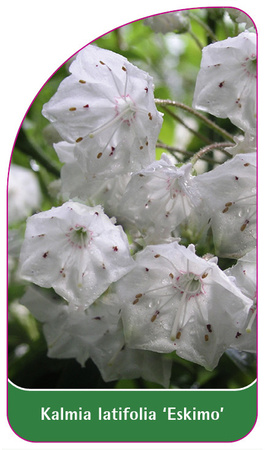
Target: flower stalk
225, 134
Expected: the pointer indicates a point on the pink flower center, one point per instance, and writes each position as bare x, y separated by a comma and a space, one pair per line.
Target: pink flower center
125, 109
79, 236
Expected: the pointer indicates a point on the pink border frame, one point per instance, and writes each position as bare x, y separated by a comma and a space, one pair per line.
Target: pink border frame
135, 442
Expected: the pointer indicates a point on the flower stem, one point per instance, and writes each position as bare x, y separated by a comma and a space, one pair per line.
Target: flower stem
194, 37
174, 150
204, 25
216, 146
25, 146
191, 130
195, 113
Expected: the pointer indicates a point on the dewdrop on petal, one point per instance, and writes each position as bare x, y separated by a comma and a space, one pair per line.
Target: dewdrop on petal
106, 109
76, 250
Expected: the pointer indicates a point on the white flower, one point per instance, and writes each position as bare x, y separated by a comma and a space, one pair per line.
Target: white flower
108, 192
177, 301
116, 360
240, 17
245, 274
94, 333
24, 195
226, 83
75, 249
228, 205
15, 239
157, 199
164, 23
244, 144
106, 110
71, 333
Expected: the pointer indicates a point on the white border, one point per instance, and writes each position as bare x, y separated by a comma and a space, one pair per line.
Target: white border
131, 390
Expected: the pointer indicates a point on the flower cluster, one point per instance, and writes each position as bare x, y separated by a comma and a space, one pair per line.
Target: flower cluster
120, 253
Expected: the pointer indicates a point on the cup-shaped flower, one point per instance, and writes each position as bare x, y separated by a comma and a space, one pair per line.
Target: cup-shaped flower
106, 109
228, 205
76, 250
176, 301
158, 199
226, 82
245, 274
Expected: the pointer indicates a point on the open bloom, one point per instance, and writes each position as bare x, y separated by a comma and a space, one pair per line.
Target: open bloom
226, 83
245, 274
228, 205
75, 249
158, 199
177, 301
96, 333
106, 110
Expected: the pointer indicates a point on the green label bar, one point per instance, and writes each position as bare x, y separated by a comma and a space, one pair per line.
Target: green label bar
132, 416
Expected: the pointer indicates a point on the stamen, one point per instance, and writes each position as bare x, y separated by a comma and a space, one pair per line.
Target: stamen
123, 106
116, 354
183, 304
157, 289
105, 126
126, 83
251, 321
153, 318
113, 77
242, 199
245, 224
